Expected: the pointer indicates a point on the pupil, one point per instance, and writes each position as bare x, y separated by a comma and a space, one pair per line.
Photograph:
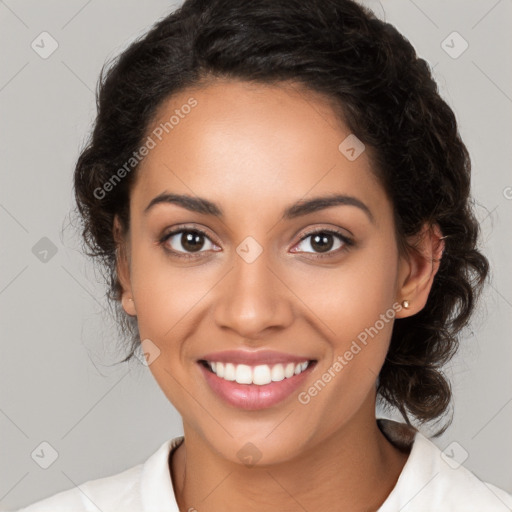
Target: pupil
322, 242
192, 241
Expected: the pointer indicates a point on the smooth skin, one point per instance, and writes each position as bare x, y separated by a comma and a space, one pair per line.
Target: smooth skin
254, 150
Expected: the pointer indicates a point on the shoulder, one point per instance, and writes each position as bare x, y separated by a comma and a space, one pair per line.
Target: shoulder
126, 491
99, 494
434, 480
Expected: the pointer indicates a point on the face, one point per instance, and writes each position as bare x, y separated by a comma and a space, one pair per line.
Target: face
250, 274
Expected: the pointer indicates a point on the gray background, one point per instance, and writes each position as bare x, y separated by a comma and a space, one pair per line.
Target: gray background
57, 341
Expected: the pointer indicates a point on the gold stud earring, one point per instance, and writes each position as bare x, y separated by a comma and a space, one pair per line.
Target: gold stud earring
405, 304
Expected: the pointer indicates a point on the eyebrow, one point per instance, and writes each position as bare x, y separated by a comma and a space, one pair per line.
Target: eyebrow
298, 209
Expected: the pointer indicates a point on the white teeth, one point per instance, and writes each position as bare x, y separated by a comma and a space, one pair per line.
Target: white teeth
277, 373
259, 375
229, 371
289, 371
243, 374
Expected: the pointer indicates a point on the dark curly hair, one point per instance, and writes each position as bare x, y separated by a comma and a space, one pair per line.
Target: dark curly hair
379, 88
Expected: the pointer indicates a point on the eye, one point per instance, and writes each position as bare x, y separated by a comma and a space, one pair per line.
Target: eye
322, 242
185, 242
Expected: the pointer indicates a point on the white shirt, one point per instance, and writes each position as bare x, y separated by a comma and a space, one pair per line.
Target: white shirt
429, 481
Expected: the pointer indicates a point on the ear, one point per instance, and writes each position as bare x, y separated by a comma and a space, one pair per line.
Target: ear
418, 268
123, 267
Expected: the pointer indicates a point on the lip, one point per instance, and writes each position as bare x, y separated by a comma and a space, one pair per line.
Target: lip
253, 358
251, 396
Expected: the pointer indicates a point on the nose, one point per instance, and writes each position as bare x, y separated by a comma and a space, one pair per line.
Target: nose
254, 299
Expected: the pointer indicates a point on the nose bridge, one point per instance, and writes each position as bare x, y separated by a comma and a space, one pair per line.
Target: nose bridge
252, 298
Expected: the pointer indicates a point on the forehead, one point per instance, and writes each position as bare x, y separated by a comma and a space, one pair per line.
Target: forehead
249, 146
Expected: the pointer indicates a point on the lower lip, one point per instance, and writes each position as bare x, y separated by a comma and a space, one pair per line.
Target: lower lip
252, 396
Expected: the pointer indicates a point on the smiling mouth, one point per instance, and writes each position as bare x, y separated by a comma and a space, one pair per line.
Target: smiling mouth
259, 375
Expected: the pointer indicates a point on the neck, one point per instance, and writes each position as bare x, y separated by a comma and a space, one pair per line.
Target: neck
355, 468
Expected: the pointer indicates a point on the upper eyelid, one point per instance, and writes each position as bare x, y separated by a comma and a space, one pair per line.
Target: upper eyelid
180, 229
333, 231
344, 239
307, 234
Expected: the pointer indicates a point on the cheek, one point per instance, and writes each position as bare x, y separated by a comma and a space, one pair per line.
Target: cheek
166, 293
354, 308
166, 296
354, 304
351, 297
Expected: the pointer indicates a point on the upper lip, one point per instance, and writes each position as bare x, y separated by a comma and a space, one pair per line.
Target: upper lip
253, 358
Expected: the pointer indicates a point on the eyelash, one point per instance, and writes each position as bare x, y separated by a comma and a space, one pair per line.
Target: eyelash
346, 241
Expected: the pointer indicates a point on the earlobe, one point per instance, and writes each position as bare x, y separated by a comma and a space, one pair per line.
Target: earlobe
128, 304
123, 268
418, 269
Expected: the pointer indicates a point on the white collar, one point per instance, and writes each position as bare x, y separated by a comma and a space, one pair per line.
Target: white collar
427, 480
433, 480
157, 493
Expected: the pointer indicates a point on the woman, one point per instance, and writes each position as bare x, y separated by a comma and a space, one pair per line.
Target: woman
281, 200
